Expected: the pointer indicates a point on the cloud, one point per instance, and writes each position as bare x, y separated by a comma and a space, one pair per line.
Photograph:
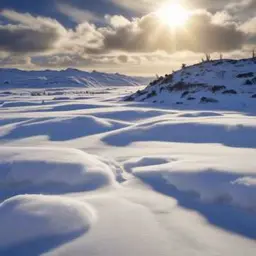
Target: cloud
145, 6
123, 58
79, 61
140, 43
117, 21
31, 34
60, 61
138, 6
84, 39
77, 15
249, 26
148, 34
13, 61
242, 5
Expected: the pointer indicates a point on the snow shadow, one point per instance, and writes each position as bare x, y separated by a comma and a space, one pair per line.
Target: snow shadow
72, 107
40, 245
200, 114
129, 115
234, 136
222, 215
51, 188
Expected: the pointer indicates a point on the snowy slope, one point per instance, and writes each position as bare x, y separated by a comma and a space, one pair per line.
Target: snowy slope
65, 78
225, 83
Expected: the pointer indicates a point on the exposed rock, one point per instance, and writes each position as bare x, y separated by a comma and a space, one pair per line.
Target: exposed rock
254, 80
245, 75
208, 100
140, 93
180, 86
217, 88
129, 98
230, 92
152, 94
248, 82
184, 94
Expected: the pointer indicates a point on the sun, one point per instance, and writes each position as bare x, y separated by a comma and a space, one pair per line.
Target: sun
174, 15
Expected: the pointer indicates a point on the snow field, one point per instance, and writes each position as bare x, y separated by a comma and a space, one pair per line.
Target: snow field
103, 177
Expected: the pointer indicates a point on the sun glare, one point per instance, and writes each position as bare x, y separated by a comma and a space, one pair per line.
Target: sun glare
173, 15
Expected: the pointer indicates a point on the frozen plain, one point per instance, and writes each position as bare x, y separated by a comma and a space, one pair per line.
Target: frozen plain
84, 173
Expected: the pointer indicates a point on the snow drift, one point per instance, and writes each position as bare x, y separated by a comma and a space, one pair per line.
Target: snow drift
209, 177
27, 169
30, 217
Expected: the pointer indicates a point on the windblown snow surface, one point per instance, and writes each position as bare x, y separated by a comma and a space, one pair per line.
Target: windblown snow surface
83, 172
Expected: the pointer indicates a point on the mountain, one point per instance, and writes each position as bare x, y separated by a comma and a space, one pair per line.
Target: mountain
16, 78
227, 82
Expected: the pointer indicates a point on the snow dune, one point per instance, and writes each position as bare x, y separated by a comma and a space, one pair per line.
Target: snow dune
50, 170
222, 131
225, 179
72, 127
32, 222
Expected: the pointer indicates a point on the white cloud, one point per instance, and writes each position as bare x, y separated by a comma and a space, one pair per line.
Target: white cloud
249, 26
117, 21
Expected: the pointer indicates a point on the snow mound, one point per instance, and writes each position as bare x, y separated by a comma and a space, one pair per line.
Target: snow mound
69, 169
210, 178
231, 83
31, 217
234, 134
71, 128
20, 104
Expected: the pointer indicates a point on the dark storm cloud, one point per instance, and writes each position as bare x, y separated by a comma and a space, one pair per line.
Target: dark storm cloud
31, 34
24, 40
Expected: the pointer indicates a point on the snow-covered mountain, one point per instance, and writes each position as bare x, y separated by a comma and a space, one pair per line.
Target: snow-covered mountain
16, 78
228, 82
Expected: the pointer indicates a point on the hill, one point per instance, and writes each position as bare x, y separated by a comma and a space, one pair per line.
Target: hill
227, 82
16, 78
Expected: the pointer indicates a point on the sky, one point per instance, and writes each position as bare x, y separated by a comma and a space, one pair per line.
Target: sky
134, 37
